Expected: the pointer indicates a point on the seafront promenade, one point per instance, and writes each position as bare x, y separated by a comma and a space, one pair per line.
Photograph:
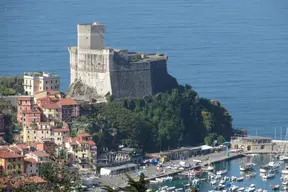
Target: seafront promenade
152, 172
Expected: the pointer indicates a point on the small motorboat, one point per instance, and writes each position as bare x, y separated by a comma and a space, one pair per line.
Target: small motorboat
241, 189
233, 178
283, 158
240, 179
285, 170
222, 181
275, 187
234, 188
221, 172
213, 182
268, 176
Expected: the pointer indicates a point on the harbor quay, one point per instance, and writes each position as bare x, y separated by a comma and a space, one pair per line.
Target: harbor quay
152, 172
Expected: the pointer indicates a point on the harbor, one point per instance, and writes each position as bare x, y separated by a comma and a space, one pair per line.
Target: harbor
256, 167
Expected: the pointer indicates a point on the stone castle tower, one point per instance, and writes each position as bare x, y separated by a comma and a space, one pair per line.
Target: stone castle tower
96, 71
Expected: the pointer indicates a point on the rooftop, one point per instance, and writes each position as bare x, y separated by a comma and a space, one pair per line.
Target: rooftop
30, 160
4, 154
255, 138
25, 98
60, 129
50, 106
129, 165
17, 182
67, 101
39, 74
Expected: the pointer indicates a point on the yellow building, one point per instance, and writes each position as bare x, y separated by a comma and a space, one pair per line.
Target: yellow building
52, 113
37, 132
10, 162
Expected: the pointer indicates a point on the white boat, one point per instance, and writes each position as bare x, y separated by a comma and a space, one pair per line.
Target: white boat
221, 172
285, 170
273, 164
240, 179
213, 182
179, 189
234, 188
285, 182
250, 189
222, 181
268, 176
209, 168
160, 180
170, 188
168, 178
283, 158
241, 189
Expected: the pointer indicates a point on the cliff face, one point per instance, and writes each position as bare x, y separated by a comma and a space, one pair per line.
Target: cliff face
80, 91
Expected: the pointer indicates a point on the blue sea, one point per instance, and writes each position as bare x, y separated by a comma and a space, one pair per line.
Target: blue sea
234, 51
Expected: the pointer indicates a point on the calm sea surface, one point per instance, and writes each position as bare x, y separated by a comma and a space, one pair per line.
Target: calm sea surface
235, 51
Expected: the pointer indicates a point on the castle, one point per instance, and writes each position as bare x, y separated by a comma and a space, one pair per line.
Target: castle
97, 71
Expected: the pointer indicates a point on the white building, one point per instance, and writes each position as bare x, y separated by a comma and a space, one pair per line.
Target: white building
39, 81
117, 170
31, 167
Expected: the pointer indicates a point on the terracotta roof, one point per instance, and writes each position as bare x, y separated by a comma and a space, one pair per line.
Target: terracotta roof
24, 98
18, 182
41, 154
44, 123
30, 160
15, 149
60, 129
90, 142
51, 106
83, 135
7, 154
22, 146
67, 101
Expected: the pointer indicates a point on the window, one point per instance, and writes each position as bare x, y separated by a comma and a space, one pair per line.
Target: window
28, 136
34, 132
35, 137
24, 119
34, 113
28, 131
46, 82
46, 88
24, 114
49, 110
47, 132
42, 132
56, 81
30, 165
51, 81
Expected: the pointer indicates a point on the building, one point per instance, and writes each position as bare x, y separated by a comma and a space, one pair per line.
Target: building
39, 81
106, 171
37, 132
59, 134
69, 108
10, 162
51, 113
39, 156
27, 112
1, 124
83, 150
31, 167
252, 144
96, 71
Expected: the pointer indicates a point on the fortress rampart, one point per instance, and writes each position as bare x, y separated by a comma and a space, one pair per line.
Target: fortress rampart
96, 72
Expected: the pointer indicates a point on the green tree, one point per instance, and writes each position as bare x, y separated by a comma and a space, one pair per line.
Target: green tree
220, 139
60, 178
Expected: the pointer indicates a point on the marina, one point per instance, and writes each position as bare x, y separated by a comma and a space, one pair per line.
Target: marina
228, 177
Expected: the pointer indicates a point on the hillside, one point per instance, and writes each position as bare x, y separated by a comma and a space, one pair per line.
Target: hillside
159, 122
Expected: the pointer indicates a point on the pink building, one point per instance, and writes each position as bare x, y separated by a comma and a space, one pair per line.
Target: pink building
27, 112
69, 107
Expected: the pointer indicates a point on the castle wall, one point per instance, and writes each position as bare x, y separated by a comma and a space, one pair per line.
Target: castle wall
93, 69
73, 63
131, 81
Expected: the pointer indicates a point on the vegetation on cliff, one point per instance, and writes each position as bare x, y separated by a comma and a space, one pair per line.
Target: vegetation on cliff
11, 85
159, 122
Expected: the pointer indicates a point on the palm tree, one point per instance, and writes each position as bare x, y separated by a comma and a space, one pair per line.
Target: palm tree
137, 186
108, 188
133, 186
